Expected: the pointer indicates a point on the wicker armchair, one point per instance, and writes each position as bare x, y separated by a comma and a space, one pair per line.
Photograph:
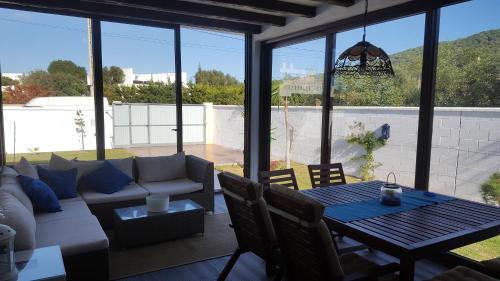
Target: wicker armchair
250, 220
285, 177
306, 245
326, 175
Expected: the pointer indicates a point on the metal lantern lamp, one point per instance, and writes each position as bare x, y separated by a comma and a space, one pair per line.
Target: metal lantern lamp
8, 270
390, 192
363, 58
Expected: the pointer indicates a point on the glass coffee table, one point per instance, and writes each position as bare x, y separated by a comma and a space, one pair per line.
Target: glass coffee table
40, 264
135, 226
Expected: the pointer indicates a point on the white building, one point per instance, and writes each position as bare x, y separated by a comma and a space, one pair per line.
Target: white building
132, 78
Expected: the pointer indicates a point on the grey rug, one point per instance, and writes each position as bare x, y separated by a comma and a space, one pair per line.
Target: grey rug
218, 240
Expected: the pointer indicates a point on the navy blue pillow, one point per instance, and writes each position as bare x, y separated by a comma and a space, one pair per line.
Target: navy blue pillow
63, 183
106, 179
41, 195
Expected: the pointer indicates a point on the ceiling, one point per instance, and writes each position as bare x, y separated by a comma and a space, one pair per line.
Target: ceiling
247, 16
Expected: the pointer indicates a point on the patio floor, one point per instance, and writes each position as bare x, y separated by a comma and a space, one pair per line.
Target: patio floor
218, 154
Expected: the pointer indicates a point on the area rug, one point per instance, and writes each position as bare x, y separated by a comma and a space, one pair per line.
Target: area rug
218, 240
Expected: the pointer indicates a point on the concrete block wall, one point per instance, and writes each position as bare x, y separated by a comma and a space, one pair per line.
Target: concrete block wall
469, 137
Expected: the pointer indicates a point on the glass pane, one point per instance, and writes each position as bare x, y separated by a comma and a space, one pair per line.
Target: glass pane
297, 85
48, 105
139, 84
212, 111
465, 158
375, 119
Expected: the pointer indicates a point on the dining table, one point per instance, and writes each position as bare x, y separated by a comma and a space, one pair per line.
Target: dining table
408, 232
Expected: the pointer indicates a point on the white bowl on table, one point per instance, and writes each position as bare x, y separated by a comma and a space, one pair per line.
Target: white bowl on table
157, 203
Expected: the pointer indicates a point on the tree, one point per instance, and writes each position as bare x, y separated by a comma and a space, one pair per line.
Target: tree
112, 75
64, 84
67, 67
7, 81
21, 94
214, 78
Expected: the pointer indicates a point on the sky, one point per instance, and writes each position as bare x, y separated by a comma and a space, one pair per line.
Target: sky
31, 40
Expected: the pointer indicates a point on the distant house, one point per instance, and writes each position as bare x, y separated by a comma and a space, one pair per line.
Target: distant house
132, 78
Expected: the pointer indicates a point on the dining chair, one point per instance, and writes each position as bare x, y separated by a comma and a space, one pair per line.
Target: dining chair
492, 267
285, 177
250, 221
463, 273
326, 174
306, 245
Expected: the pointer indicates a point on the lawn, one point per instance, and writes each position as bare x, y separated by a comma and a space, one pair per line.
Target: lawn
486, 249
43, 157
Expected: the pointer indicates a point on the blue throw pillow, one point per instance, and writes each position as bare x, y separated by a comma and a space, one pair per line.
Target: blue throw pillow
41, 195
63, 183
106, 179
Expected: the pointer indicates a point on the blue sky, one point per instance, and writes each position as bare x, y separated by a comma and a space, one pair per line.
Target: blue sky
31, 40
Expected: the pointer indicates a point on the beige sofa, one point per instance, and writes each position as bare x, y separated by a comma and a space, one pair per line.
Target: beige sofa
78, 228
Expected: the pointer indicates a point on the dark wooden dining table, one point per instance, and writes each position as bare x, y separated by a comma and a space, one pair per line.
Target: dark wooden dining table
415, 234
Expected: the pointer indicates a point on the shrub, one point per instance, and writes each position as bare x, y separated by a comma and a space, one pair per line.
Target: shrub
490, 190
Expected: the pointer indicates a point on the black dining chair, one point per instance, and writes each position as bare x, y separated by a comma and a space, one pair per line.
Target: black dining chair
326, 174
285, 177
250, 221
306, 245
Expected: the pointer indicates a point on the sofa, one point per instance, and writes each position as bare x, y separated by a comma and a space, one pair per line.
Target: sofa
79, 228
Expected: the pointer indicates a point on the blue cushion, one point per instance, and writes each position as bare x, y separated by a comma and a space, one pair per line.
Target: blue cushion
40, 194
63, 183
106, 179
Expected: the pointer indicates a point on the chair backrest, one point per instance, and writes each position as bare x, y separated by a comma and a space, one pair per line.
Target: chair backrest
326, 175
285, 177
305, 241
249, 214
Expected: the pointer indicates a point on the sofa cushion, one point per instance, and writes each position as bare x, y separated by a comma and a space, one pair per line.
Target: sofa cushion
129, 192
161, 168
57, 163
106, 179
72, 208
173, 187
9, 172
74, 236
126, 165
12, 186
26, 169
15, 215
41, 195
62, 182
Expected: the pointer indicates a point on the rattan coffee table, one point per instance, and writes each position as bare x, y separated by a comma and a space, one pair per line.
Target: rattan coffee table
135, 226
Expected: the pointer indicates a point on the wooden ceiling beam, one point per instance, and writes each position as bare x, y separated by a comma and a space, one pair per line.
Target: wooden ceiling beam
127, 14
198, 9
273, 6
343, 3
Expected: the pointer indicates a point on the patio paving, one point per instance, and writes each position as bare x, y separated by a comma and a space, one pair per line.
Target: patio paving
218, 154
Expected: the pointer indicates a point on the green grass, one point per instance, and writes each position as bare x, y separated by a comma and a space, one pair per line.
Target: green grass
483, 250
43, 157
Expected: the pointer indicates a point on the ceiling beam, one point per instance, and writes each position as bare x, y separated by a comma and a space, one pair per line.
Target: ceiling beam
198, 9
126, 14
343, 3
273, 6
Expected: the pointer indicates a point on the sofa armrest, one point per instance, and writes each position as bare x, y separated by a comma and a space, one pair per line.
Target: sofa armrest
200, 170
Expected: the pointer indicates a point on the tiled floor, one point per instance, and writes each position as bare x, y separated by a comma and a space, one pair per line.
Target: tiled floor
251, 268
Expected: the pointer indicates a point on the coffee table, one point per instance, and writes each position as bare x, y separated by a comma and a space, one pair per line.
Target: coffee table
135, 226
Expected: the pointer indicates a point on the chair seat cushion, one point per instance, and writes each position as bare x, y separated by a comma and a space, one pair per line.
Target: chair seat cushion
463, 273
74, 236
130, 192
173, 187
71, 208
